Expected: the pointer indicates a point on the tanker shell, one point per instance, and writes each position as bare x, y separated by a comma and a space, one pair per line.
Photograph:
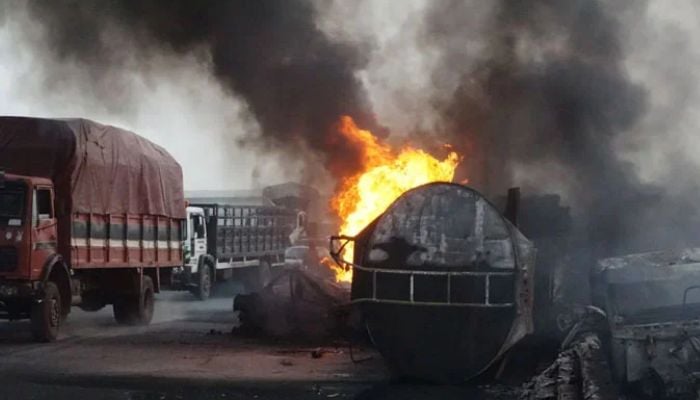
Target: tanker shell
443, 282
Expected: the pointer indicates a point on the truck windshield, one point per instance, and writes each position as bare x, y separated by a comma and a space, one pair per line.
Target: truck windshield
11, 203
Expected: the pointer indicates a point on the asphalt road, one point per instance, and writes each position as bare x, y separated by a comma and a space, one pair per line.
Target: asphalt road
188, 352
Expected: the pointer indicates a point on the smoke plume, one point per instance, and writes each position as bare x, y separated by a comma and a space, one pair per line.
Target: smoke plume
295, 81
546, 92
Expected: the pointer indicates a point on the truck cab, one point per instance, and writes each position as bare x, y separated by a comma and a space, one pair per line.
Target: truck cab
196, 274
28, 231
195, 240
28, 253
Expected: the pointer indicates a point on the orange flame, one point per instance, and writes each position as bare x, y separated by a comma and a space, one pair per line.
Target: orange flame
386, 175
341, 274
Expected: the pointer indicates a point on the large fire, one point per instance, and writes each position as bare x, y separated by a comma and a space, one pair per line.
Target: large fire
386, 175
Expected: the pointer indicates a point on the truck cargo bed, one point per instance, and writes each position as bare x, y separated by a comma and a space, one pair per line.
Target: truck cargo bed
237, 233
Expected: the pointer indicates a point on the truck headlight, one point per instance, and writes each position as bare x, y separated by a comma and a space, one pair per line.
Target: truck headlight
8, 291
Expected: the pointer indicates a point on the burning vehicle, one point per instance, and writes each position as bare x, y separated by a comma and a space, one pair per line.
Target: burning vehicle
444, 282
652, 302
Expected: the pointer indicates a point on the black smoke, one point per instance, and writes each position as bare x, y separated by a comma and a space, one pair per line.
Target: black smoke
295, 81
550, 88
547, 85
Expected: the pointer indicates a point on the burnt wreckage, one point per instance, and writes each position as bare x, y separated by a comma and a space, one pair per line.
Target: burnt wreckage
652, 302
449, 289
444, 282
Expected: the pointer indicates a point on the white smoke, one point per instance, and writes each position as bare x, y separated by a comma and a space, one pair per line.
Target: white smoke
173, 101
663, 46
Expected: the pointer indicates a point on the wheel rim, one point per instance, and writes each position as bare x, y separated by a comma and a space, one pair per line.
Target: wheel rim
54, 312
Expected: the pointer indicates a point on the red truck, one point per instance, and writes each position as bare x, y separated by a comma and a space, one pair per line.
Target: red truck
90, 215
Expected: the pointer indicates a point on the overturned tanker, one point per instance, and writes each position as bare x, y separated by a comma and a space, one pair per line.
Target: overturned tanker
443, 281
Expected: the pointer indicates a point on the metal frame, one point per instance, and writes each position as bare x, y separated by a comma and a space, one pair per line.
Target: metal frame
247, 231
337, 257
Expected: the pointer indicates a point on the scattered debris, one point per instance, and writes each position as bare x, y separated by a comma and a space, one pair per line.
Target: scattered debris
653, 302
295, 304
580, 371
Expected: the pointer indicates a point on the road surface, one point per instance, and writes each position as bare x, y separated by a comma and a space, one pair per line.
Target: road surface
188, 349
188, 352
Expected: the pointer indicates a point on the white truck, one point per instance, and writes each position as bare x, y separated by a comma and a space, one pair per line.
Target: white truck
224, 242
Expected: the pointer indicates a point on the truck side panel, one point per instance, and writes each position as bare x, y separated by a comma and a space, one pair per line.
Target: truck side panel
242, 233
123, 241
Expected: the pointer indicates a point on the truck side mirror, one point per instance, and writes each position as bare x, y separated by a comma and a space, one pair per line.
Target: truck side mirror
45, 223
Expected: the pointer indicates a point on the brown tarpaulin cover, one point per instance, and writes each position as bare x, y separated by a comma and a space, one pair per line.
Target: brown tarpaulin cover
95, 168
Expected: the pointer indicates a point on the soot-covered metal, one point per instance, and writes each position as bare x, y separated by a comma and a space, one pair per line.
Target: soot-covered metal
444, 283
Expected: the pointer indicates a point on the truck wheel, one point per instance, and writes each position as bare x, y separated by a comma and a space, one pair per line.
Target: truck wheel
46, 315
123, 310
146, 302
203, 290
136, 310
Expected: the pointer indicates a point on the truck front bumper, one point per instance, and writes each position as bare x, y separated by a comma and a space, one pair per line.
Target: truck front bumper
184, 278
17, 297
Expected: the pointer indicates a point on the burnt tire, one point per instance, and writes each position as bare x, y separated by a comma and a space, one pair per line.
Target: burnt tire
204, 286
47, 315
136, 310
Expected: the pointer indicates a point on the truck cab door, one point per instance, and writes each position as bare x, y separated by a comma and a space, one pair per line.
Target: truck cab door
199, 235
44, 228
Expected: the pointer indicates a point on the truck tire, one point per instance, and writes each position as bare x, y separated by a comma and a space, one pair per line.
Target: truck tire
123, 310
46, 316
204, 286
136, 310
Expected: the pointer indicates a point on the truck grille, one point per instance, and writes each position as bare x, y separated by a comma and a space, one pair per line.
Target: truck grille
8, 259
